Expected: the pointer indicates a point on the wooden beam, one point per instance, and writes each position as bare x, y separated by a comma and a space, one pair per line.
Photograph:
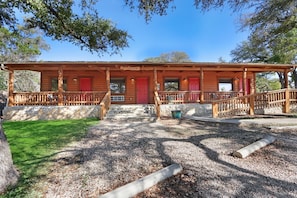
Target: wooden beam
201, 85
155, 79
252, 105
108, 79
60, 86
244, 79
286, 107
11, 89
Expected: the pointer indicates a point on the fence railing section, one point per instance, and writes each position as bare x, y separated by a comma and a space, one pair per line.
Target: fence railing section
255, 104
210, 96
231, 107
83, 98
179, 97
51, 98
35, 98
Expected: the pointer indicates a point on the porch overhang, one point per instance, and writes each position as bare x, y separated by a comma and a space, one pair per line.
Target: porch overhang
146, 66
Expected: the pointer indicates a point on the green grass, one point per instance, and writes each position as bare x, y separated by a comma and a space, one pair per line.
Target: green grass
34, 143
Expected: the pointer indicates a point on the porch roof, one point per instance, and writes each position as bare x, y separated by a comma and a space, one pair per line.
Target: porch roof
138, 66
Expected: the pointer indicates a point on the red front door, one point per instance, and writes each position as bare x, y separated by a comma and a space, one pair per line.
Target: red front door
85, 84
142, 91
194, 86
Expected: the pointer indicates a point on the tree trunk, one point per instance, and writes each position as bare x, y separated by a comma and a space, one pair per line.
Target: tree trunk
8, 174
281, 79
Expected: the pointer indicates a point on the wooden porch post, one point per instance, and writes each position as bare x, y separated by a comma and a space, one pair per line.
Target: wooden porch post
11, 89
108, 79
60, 86
155, 79
201, 85
244, 74
286, 108
252, 105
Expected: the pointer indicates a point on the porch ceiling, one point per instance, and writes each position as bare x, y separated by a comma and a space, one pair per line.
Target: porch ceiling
138, 66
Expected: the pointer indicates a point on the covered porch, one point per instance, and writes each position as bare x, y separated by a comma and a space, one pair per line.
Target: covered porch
102, 74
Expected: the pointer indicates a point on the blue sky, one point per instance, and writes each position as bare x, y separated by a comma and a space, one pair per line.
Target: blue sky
205, 37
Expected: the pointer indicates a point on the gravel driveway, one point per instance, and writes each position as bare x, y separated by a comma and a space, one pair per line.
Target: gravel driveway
115, 153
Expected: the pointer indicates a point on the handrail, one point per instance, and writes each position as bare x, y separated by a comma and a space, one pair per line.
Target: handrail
157, 105
255, 103
105, 105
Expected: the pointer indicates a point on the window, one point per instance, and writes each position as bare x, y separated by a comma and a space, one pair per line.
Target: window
225, 84
171, 84
55, 84
117, 85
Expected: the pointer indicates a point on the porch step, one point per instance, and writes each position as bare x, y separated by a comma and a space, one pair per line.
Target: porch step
145, 112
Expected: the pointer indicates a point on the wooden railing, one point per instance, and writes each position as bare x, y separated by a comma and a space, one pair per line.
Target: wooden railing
157, 104
35, 98
230, 107
105, 105
83, 97
210, 96
179, 97
255, 104
51, 98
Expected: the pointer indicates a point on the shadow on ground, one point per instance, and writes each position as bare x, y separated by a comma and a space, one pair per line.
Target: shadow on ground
115, 153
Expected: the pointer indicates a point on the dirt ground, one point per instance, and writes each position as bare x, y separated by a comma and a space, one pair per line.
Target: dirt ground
116, 153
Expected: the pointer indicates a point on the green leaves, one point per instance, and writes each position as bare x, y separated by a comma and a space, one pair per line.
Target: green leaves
65, 20
149, 7
176, 57
20, 45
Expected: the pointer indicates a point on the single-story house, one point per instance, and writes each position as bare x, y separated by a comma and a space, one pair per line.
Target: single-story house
104, 83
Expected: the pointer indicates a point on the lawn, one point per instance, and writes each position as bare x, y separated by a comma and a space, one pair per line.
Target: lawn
34, 143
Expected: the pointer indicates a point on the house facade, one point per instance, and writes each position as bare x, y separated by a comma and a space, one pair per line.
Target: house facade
87, 83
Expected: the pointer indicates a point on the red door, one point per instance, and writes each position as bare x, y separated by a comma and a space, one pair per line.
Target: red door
194, 85
85, 84
142, 91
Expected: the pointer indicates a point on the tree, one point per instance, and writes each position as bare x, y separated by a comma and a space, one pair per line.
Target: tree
57, 19
22, 44
8, 174
175, 56
19, 44
280, 50
266, 82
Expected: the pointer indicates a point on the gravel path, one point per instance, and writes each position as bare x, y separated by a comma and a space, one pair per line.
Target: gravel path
115, 153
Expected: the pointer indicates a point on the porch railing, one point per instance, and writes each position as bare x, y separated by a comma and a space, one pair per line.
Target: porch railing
180, 97
256, 103
51, 98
